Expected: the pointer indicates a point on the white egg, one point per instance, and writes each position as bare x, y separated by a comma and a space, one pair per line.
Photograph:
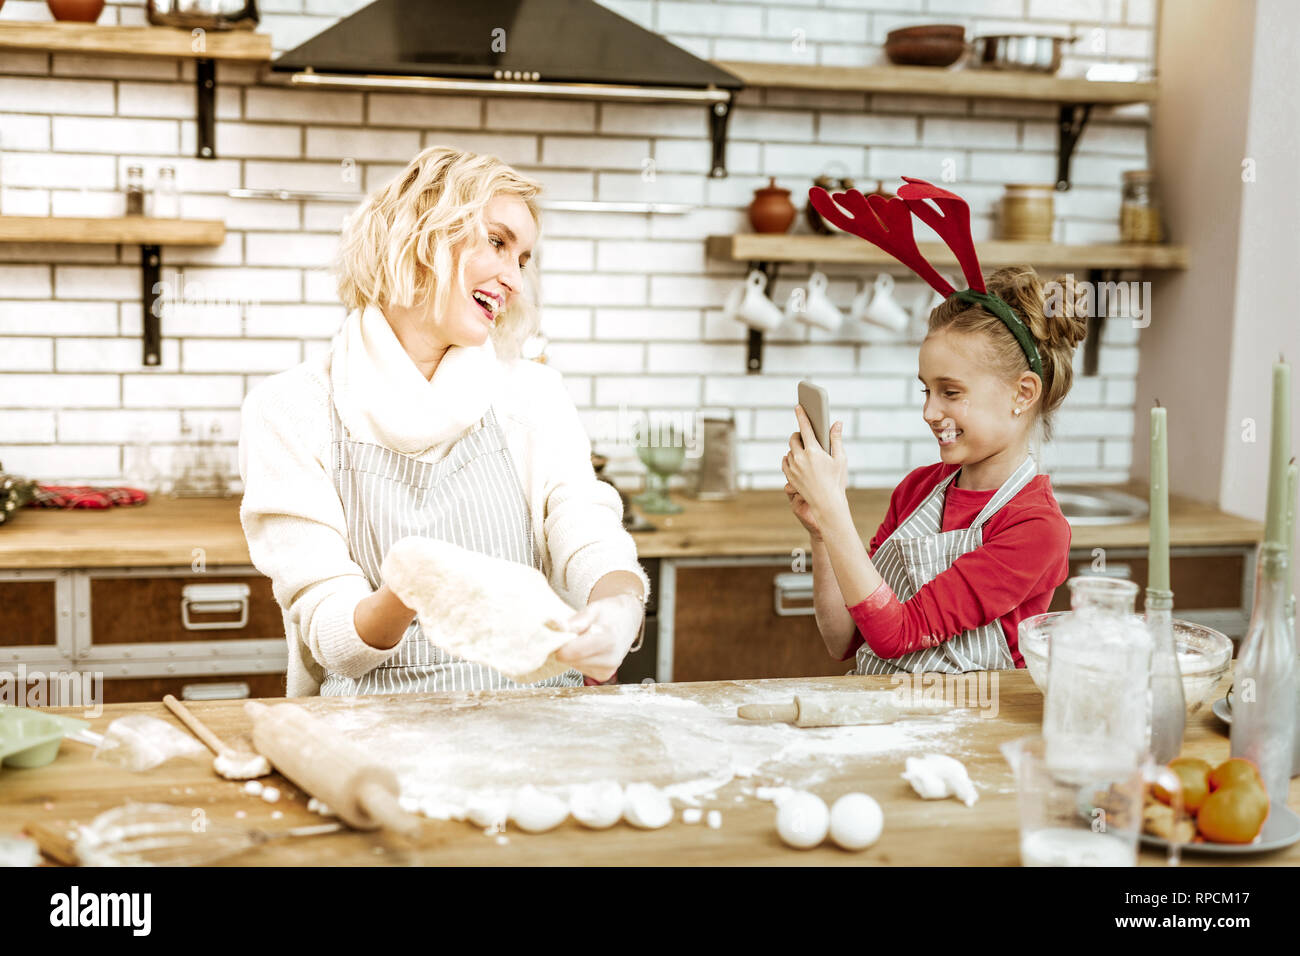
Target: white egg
856, 821
802, 820
597, 805
535, 811
645, 806
488, 810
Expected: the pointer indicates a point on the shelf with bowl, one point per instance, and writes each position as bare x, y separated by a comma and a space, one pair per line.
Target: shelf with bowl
149, 233
1074, 96
767, 251
205, 48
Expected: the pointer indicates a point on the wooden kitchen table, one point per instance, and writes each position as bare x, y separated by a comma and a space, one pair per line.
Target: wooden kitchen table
916, 832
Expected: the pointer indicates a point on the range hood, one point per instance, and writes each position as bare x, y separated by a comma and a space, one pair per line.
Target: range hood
556, 48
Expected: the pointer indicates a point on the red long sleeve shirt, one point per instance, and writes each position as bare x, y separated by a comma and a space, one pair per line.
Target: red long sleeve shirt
1011, 576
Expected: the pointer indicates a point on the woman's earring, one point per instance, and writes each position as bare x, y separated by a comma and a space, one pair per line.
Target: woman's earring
1017, 409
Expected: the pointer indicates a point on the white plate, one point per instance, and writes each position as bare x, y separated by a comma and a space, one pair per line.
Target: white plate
1281, 829
1222, 710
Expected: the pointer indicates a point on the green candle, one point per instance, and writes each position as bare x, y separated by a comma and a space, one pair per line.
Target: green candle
1158, 553
1290, 510
1279, 455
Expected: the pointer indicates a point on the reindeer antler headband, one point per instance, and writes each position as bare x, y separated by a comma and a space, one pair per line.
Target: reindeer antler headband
888, 224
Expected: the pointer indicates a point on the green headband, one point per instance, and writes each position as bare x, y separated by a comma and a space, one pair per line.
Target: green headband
1010, 320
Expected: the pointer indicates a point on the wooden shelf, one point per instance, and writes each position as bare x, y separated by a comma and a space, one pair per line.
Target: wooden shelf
148, 233
755, 247
239, 45
130, 230
933, 81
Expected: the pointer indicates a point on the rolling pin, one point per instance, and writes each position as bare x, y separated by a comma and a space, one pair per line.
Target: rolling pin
330, 767
840, 710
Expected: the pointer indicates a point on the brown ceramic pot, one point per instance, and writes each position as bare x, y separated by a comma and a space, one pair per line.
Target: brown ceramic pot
77, 11
771, 209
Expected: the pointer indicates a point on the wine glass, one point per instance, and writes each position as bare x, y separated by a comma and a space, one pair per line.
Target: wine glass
663, 452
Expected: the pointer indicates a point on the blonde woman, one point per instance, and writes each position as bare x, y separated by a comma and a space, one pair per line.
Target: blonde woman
423, 419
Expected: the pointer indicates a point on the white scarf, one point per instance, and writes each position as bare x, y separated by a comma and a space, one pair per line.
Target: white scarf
383, 397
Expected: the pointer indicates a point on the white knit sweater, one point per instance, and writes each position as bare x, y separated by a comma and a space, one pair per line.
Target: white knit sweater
293, 517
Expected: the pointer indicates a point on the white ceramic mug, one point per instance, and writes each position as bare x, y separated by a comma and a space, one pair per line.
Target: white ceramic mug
876, 304
926, 302
749, 303
814, 306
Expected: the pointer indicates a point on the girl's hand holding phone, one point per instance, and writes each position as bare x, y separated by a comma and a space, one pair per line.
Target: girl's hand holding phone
816, 480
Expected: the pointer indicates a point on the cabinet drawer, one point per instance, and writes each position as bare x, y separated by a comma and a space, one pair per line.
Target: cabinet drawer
726, 628
28, 614
157, 608
1218, 579
224, 686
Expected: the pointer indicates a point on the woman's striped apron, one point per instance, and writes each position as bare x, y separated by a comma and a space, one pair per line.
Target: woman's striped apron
919, 551
472, 498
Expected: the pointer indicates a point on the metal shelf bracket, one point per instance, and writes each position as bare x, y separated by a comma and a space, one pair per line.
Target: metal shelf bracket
1073, 119
754, 352
719, 113
205, 87
151, 299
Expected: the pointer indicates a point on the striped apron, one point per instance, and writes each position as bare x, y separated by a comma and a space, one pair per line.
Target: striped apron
472, 498
919, 551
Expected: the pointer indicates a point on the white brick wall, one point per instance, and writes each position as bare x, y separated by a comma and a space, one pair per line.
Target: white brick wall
632, 303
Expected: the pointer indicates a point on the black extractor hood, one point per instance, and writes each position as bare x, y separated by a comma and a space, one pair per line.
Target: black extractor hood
556, 48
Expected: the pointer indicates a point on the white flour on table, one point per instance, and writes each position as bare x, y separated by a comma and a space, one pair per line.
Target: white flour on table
476, 745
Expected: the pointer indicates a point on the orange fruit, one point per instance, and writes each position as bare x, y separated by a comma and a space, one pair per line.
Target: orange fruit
1233, 813
1194, 774
1238, 768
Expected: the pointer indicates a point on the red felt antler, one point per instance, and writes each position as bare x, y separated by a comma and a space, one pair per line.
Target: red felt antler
888, 224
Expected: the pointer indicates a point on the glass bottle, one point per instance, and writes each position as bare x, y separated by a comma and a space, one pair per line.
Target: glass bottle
1168, 703
1139, 215
166, 200
135, 190
1096, 717
140, 471
1264, 683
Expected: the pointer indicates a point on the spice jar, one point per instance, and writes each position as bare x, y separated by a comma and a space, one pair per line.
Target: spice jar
135, 190
166, 200
1028, 212
1139, 215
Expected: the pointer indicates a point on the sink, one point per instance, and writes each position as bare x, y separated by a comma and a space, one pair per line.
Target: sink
1090, 505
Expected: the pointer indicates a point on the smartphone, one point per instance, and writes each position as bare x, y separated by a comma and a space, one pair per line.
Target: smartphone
817, 407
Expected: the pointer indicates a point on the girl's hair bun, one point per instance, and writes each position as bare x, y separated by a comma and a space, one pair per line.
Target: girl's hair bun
1054, 315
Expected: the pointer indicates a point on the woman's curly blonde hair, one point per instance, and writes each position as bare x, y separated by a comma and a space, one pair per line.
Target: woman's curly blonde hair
403, 243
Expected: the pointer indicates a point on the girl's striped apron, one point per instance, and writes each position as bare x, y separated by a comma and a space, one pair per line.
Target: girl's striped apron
472, 498
914, 555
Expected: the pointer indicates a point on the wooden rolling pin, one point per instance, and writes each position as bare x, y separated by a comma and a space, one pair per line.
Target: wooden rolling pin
330, 767
844, 709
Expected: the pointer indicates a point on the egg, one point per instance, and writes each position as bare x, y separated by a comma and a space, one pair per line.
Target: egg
856, 821
597, 805
802, 820
535, 811
645, 806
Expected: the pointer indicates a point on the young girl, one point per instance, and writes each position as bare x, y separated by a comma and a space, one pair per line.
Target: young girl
971, 545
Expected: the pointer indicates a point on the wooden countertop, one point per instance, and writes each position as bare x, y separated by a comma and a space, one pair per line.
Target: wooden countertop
75, 788
173, 531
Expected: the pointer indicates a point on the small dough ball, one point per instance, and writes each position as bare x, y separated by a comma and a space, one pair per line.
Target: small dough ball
536, 811
254, 788
714, 819
802, 820
856, 821
597, 805
488, 810
692, 815
645, 806
271, 794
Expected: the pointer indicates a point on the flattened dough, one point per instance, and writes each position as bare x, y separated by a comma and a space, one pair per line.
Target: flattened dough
485, 609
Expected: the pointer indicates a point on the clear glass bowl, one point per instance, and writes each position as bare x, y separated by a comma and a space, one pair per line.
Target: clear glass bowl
1204, 654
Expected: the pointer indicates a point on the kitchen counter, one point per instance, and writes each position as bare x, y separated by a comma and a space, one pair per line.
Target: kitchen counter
169, 532
75, 788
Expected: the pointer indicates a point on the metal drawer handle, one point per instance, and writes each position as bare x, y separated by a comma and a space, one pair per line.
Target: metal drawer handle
214, 599
792, 586
233, 690
1122, 571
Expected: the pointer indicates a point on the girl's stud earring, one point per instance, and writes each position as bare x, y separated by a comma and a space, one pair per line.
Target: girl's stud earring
1017, 411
